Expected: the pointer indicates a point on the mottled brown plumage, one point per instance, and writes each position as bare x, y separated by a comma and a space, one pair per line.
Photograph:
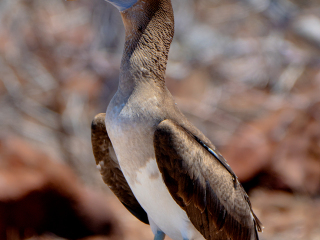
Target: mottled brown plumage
149, 27
193, 173
200, 184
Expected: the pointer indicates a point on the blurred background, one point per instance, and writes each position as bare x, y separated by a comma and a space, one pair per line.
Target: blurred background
245, 72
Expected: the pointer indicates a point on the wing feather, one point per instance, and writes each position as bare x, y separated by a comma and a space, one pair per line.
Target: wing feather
110, 169
204, 185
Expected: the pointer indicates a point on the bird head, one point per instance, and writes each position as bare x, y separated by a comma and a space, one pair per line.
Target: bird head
122, 4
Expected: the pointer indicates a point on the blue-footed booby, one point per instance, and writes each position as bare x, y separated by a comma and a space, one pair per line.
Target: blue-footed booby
160, 166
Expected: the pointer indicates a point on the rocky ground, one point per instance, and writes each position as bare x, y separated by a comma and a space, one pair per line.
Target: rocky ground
246, 72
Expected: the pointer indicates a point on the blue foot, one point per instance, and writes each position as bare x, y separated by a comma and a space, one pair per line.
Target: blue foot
159, 235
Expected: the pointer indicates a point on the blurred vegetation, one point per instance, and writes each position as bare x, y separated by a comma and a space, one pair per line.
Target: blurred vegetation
245, 72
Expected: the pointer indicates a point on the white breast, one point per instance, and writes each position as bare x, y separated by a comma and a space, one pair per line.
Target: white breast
152, 194
164, 212
133, 144
154, 197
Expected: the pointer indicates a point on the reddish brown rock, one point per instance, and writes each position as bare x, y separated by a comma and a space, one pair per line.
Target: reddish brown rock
284, 146
39, 195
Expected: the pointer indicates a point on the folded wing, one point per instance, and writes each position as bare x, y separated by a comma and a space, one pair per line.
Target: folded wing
203, 185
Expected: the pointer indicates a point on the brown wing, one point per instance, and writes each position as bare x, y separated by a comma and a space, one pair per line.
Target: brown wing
213, 199
110, 170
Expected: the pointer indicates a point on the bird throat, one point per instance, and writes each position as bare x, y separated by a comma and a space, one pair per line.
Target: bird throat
149, 28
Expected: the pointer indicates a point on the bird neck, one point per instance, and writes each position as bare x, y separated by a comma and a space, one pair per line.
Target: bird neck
149, 28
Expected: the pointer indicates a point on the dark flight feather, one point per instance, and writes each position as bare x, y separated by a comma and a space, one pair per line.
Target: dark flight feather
110, 169
204, 185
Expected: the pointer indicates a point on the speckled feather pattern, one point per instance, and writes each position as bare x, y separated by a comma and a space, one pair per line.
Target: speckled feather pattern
149, 27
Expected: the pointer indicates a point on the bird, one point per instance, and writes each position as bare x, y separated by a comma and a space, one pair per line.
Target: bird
163, 169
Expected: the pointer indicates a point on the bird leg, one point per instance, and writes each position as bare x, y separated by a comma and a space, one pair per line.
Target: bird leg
159, 235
